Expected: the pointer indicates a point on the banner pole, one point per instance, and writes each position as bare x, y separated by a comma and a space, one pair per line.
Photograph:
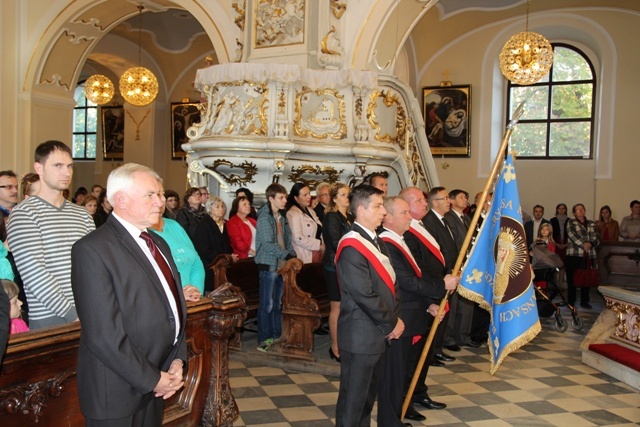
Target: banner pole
465, 245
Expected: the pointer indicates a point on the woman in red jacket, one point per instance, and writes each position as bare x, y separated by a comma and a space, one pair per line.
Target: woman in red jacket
242, 229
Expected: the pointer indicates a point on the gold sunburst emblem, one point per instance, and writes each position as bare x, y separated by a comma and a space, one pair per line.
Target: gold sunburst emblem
511, 258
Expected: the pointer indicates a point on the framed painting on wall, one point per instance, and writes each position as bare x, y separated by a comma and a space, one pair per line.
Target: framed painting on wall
183, 115
447, 119
113, 132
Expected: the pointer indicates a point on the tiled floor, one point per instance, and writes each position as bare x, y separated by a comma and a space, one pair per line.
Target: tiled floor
542, 384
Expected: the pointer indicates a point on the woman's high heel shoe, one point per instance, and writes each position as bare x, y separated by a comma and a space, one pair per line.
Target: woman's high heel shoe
333, 355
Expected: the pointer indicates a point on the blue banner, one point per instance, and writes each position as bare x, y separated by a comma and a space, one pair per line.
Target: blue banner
497, 274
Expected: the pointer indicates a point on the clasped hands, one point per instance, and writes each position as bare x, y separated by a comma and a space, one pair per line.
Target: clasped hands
191, 293
170, 381
397, 331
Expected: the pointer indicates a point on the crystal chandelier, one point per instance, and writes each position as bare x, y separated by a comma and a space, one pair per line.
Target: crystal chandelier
98, 89
138, 85
526, 57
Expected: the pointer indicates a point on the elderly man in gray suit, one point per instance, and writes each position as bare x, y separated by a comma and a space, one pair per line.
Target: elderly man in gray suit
128, 297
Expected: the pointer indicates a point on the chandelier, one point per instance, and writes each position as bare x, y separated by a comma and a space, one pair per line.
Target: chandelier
138, 85
98, 89
526, 57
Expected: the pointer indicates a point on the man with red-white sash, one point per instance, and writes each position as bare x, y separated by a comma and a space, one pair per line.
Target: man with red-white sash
369, 310
427, 254
418, 299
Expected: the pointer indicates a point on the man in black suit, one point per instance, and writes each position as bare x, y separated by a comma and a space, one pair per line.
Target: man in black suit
380, 180
418, 298
444, 235
532, 226
127, 292
426, 251
459, 223
369, 309
322, 193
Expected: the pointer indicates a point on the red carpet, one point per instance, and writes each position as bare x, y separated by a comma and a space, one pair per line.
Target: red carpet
618, 353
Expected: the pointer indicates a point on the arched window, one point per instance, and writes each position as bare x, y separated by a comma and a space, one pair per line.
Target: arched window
85, 125
559, 110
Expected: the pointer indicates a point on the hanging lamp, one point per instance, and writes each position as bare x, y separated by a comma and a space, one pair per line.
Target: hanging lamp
526, 57
99, 89
138, 85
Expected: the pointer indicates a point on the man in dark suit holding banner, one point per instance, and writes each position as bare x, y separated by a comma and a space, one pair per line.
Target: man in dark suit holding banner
426, 251
444, 235
418, 299
369, 310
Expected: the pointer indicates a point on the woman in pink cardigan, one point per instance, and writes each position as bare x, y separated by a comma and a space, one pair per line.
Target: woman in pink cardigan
242, 229
306, 229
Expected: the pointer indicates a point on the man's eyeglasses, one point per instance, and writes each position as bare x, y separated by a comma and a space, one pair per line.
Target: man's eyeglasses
10, 187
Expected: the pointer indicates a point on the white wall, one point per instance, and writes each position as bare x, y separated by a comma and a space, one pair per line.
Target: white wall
610, 177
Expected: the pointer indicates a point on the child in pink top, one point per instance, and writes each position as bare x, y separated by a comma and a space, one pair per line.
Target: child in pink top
17, 324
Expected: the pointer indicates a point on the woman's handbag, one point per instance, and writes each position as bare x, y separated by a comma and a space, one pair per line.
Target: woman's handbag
316, 256
586, 276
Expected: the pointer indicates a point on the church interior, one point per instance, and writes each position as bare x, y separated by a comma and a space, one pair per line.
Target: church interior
251, 92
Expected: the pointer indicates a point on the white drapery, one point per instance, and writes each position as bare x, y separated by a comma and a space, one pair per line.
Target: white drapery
282, 73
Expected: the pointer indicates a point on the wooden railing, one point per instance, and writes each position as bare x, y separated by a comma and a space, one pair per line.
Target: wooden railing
619, 264
38, 384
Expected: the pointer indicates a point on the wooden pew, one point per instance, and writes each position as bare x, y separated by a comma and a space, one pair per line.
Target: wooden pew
38, 384
300, 310
242, 276
305, 302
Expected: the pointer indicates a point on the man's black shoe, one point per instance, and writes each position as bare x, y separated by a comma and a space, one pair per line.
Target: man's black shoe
444, 357
472, 343
430, 404
452, 347
436, 363
414, 415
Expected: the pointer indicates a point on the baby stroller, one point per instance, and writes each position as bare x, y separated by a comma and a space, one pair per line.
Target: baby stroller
546, 266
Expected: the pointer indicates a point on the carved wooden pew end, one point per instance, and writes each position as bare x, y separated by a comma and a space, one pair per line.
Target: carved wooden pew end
305, 301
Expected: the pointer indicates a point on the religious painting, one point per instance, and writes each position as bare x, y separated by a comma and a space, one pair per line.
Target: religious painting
447, 121
112, 132
279, 23
183, 116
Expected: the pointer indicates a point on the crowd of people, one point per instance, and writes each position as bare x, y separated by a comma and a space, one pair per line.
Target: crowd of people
115, 257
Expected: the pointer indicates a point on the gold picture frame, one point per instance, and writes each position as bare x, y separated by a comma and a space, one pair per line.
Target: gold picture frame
447, 118
183, 116
112, 132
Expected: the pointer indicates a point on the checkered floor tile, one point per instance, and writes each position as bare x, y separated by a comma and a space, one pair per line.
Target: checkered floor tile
542, 384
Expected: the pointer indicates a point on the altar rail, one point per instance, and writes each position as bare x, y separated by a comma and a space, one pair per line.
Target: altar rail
612, 345
619, 264
38, 383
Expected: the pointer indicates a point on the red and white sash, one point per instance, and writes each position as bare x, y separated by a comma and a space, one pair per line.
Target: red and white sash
397, 241
426, 239
380, 262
